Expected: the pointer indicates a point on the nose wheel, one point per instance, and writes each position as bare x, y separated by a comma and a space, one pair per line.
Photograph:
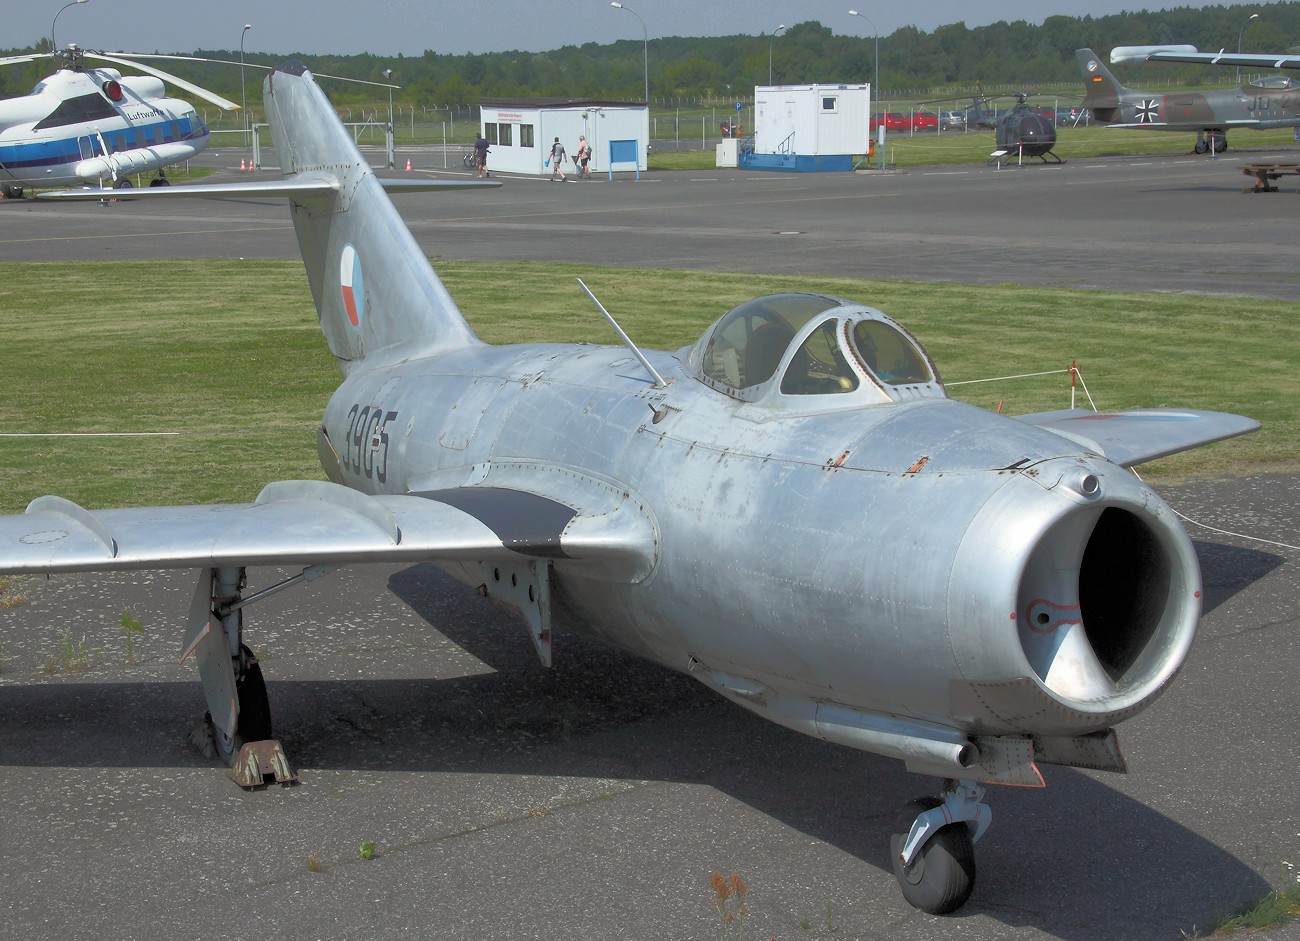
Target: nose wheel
932, 847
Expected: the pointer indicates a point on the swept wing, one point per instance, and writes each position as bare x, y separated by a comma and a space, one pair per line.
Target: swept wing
1122, 54
1134, 437
308, 523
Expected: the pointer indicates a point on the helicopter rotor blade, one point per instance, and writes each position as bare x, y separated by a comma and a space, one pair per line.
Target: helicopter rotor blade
190, 87
30, 57
251, 65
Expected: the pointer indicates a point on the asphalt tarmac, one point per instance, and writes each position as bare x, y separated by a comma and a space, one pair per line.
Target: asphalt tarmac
1134, 224
595, 799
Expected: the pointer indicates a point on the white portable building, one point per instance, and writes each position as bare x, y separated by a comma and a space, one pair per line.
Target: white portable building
520, 132
812, 121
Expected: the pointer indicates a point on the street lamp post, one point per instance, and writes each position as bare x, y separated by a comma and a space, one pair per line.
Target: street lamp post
770, 39
388, 74
1253, 16
243, 100
53, 47
645, 46
875, 82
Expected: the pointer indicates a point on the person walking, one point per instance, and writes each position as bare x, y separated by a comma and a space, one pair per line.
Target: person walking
480, 156
557, 156
582, 157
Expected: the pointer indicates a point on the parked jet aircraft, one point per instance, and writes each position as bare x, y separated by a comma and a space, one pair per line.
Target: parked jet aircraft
84, 124
790, 510
1258, 105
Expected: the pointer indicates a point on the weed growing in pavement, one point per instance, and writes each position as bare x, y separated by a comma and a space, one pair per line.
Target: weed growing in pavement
9, 598
729, 898
131, 627
1279, 906
73, 657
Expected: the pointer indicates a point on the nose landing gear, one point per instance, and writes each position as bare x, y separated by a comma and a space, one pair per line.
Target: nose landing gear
932, 846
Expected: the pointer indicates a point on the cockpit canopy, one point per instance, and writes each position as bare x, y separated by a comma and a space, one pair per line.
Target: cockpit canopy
803, 349
1276, 82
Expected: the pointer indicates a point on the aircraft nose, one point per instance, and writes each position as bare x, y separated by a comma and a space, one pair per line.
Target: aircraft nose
1099, 597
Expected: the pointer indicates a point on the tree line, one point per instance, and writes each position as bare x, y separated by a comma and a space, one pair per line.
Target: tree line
912, 62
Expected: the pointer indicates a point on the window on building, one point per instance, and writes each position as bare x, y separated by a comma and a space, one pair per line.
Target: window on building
828, 103
506, 135
526, 135
490, 133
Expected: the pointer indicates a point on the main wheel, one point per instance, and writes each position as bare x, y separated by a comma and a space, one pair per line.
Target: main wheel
123, 184
11, 191
254, 710
942, 876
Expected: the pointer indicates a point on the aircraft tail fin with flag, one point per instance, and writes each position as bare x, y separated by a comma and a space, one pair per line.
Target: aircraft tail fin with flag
376, 294
377, 297
1102, 90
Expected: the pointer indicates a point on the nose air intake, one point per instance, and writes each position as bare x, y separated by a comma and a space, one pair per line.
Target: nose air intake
1106, 609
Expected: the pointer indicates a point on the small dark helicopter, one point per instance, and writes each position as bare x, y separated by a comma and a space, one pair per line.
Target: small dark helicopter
1021, 132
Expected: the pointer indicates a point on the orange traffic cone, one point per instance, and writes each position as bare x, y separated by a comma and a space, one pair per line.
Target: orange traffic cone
241, 164
408, 164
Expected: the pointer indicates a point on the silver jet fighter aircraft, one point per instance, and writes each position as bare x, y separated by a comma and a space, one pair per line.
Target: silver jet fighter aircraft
790, 510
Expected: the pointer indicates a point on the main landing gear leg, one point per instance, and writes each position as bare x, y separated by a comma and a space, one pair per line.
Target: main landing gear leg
932, 846
238, 721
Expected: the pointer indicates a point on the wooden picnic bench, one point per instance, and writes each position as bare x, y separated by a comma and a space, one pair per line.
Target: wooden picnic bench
1265, 173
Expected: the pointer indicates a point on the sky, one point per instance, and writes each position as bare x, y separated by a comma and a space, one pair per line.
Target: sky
389, 27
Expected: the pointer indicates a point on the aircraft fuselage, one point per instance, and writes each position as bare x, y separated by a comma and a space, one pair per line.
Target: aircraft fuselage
1248, 107
964, 545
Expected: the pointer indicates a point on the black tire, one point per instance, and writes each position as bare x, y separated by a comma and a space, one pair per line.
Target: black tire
123, 184
254, 711
1219, 142
942, 876
160, 181
12, 191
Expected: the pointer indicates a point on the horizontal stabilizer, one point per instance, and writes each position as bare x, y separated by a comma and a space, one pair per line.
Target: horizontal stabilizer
304, 523
1134, 437
299, 188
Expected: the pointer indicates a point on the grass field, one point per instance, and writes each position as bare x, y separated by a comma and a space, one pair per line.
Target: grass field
228, 355
956, 147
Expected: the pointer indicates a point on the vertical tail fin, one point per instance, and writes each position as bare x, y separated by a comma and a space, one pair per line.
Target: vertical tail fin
1102, 90
376, 294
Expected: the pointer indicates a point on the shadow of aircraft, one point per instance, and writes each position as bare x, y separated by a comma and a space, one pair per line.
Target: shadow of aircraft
1053, 857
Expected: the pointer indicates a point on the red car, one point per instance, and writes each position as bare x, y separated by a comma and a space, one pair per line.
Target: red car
894, 121
925, 121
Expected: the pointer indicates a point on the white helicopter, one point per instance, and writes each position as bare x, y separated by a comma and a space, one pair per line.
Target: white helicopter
92, 125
